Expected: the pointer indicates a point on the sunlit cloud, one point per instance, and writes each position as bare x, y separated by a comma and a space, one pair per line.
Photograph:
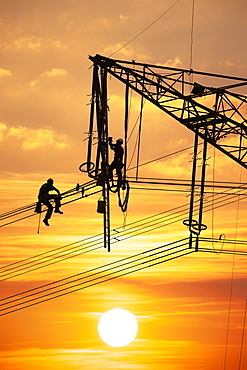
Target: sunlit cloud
34, 138
55, 72
35, 43
33, 83
3, 128
5, 72
127, 51
181, 304
118, 101
123, 17
28, 43
175, 167
172, 63
227, 63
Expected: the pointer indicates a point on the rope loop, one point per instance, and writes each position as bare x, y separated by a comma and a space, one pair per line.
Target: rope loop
89, 167
124, 187
194, 226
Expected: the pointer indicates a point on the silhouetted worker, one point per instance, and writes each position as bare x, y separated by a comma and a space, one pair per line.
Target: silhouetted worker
117, 163
44, 197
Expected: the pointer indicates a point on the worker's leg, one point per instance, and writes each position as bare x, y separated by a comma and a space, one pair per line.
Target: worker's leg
48, 213
49, 210
119, 173
57, 199
111, 168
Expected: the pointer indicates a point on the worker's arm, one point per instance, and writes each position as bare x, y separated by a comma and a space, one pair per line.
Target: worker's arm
112, 146
56, 190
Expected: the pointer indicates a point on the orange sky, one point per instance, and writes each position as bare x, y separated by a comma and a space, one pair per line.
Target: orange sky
183, 305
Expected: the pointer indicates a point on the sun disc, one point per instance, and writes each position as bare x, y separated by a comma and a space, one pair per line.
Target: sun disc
117, 327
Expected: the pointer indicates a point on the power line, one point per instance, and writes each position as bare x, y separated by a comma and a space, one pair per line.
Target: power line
225, 251
186, 182
27, 208
100, 275
162, 157
71, 250
95, 276
71, 192
91, 184
87, 186
43, 262
136, 228
151, 223
166, 218
33, 206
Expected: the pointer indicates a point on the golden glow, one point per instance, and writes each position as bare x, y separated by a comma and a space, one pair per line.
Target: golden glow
46, 77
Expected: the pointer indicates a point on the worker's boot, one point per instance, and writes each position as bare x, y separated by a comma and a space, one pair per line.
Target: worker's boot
58, 211
46, 222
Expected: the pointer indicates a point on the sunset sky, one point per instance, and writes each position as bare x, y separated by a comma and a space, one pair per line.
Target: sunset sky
190, 310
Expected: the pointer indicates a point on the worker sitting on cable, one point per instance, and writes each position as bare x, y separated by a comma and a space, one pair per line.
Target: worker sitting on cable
117, 163
44, 197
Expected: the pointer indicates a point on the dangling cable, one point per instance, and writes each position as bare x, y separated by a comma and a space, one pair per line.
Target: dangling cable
126, 124
232, 277
133, 153
123, 184
138, 135
213, 198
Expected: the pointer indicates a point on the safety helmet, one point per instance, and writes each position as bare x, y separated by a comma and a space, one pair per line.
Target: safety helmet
120, 141
50, 181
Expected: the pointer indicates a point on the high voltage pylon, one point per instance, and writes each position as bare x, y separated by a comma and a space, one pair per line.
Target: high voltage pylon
213, 113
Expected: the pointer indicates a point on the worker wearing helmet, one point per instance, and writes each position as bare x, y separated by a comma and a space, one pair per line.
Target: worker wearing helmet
117, 163
44, 197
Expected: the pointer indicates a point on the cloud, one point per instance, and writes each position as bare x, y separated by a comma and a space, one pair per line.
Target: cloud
127, 51
35, 43
226, 63
3, 128
27, 43
123, 17
34, 138
55, 72
5, 72
175, 167
172, 63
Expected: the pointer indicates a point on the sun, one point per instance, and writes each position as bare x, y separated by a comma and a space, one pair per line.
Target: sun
117, 327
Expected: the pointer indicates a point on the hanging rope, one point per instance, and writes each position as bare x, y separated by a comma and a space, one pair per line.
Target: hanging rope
123, 204
39, 219
126, 124
123, 184
139, 133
